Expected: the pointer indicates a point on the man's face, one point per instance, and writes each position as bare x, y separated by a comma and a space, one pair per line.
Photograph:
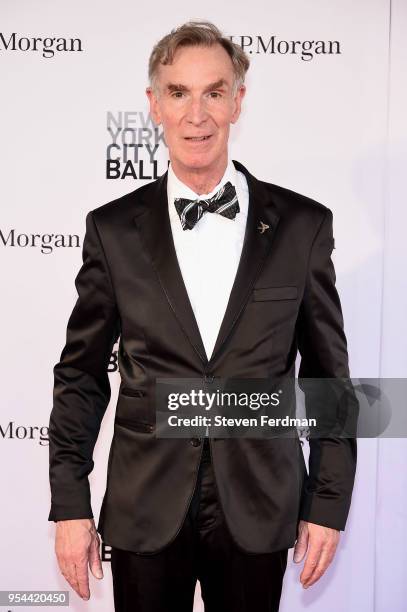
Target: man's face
195, 100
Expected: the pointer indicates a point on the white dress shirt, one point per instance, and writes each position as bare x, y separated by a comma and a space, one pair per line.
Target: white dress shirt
209, 254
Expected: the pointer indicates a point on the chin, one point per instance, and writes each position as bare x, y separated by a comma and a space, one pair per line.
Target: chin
198, 161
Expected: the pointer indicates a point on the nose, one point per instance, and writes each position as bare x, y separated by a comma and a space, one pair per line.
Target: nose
197, 112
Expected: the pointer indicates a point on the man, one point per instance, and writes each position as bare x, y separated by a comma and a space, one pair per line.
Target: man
205, 273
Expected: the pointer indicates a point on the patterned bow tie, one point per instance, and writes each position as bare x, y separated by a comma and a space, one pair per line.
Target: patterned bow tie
224, 203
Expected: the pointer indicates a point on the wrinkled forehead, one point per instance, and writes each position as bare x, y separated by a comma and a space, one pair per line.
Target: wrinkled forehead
193, 68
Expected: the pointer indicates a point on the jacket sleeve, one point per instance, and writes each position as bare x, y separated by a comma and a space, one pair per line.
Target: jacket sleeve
81, 384
327, 488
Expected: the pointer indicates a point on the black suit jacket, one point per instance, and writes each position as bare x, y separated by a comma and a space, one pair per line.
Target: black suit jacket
130, 285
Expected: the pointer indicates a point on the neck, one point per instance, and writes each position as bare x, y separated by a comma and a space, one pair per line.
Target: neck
200, 180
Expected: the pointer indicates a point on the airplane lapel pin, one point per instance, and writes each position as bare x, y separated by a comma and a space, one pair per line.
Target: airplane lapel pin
262, 227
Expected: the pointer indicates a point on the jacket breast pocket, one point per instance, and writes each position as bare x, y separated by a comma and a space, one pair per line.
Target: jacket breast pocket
264, 294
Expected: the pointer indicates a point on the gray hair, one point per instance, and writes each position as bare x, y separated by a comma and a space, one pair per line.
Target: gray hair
191, 34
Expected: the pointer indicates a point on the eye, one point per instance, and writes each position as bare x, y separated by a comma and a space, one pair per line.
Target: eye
175, 94
217, 94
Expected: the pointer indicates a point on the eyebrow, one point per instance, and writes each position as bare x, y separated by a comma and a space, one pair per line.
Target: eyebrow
171, 87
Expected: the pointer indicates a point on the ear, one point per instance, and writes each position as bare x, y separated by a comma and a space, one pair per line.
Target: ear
154, 107
237, 102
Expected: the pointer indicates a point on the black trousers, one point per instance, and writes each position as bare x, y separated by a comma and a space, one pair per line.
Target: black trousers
231, 580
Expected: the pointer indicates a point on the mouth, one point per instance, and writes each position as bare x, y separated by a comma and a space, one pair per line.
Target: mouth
198, 138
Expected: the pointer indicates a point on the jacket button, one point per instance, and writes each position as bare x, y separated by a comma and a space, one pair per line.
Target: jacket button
209, 378
195, 441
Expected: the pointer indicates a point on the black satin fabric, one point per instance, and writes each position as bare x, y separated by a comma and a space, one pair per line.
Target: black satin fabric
230, 579
130, 287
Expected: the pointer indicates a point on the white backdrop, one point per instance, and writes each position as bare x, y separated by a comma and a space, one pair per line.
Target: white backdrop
332, 127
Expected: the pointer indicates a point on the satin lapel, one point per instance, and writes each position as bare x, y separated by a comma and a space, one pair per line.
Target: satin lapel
154, 227
155, 232
256, 246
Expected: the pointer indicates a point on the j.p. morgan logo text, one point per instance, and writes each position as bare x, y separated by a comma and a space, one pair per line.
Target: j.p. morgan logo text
45, 242
47, 47
306, 50
11, 431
